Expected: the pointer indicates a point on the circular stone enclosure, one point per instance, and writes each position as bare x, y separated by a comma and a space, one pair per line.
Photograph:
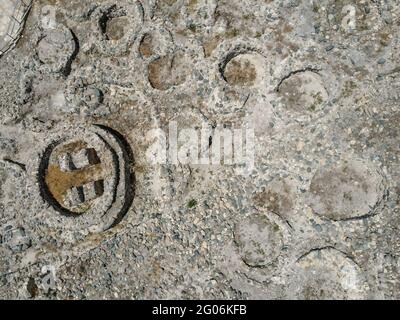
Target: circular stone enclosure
169, 71
156, 42
326, 274
57, 48
259, 241
302, 92
346, 190
276, 197
243, 69
118, 26
87, 176
114, 23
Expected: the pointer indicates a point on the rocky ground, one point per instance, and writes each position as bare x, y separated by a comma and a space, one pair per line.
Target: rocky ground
91, 207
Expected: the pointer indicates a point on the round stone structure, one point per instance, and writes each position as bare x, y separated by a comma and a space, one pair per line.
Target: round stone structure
259, 240
328, 273
347, 190
87, 176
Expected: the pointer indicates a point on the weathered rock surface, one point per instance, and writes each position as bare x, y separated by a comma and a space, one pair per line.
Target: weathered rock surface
99, 200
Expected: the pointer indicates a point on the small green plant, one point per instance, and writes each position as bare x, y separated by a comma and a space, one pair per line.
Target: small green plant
192, 27
192, 203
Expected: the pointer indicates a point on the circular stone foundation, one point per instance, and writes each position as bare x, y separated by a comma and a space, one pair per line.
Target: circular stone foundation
277, 197
56, 48
169, 71
87, 176
118, 26
346, 190
246, 70
155, 42
259, 241
84, 96
327, 274
303, 92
